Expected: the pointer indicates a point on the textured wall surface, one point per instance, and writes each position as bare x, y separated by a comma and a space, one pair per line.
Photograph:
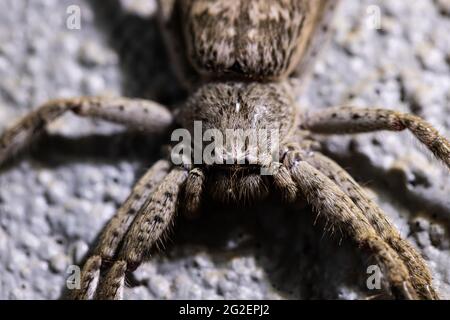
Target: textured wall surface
55, 199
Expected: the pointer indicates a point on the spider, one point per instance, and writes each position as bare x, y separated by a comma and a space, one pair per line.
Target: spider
236, 57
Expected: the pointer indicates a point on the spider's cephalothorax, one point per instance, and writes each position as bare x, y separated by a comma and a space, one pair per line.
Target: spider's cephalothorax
241, 105
248, 117
235, 57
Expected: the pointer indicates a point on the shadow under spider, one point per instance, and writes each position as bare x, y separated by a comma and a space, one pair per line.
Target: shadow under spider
298, 259
142, 56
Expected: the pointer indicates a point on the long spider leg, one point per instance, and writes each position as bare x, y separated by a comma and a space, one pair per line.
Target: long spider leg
356, 120
421, 278
135, 113
152, 222
113, 233
327, 198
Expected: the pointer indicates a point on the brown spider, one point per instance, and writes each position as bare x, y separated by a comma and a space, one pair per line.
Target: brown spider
235, 57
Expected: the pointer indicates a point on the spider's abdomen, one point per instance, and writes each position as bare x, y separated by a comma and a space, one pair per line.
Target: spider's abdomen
251, 39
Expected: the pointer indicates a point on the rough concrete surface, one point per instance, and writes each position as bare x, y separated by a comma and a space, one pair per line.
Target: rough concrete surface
55, 199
